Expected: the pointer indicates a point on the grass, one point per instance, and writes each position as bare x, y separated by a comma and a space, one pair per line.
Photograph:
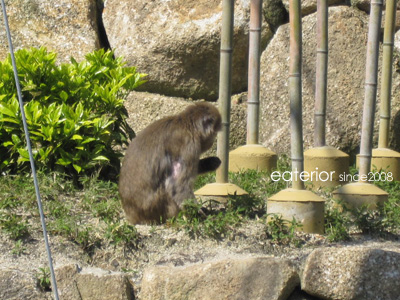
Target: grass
90, 214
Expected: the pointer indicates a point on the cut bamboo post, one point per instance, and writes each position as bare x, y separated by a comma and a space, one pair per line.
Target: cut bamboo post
296, 202
222, 188
384, 158
323, 158
252, 155
363, 193
321, 80
295, 92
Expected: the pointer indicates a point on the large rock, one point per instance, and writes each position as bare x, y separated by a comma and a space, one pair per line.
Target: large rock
352, 273
144, 108
18, 284
366, 4
92, 283
67, 27
246, 278
348, 29
177, 43
310, 6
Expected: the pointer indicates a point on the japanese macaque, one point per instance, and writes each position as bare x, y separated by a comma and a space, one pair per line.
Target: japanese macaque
162, 162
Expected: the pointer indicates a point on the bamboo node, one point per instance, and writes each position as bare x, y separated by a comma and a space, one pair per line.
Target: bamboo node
297, 159
253, 102
295, 75
226, 50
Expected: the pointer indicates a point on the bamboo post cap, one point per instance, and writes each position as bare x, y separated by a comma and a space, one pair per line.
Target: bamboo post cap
305, 206
219, 191
254, 157
355, 195
326, 160
387, 160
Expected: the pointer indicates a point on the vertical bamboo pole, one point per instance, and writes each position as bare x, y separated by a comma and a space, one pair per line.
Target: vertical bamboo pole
321, 73
295, 93
370, 87
225, 87
386, 83
253, 102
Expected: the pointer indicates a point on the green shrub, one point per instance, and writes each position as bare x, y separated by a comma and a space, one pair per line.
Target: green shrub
74, 111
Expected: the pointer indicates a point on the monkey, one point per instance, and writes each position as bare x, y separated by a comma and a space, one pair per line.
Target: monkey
163, 160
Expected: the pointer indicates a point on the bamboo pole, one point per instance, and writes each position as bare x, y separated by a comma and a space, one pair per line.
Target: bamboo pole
321, 73
370, 88
225, 87
253, 100
387, 68
295, 94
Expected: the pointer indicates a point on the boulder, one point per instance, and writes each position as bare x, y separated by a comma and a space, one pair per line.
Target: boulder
177, 43
67, 27
18, 284
348, 28
352, 273
239, 278
92, 283
310, 6
365, 5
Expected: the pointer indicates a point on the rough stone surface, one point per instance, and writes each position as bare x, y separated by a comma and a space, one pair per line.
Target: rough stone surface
92, 283
348, 29
310, 6
15, 284
177, 43
145, 108
352, 273
247, 278
67, 27
365, 5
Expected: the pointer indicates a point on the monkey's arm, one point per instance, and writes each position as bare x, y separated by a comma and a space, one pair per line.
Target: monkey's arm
208, 164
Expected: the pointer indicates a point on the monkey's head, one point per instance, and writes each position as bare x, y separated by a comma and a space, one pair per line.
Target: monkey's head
207, 121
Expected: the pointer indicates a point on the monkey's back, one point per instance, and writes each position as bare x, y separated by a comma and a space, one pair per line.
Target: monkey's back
149, 162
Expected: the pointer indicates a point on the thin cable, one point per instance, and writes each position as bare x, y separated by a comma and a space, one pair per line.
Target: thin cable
28, 143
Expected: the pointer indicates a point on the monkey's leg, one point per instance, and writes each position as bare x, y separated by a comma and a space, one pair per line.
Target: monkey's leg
209, 164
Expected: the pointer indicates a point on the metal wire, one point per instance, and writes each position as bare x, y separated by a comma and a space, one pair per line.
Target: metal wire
28, 143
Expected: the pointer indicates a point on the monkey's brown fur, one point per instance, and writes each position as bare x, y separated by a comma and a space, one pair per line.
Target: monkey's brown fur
162, 162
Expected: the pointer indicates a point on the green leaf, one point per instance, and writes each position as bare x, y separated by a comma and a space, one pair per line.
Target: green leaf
77, 137
16, 140
6, 111
77, 168
101, 157
64, 96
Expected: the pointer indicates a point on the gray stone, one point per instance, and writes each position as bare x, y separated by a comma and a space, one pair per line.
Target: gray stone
67, 27
352, 273
348, 29
310, 6
177, 43
246, 278
92, 283
365, 5
17, 284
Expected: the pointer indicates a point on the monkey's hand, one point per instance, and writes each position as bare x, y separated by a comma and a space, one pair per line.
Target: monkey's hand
209, 164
